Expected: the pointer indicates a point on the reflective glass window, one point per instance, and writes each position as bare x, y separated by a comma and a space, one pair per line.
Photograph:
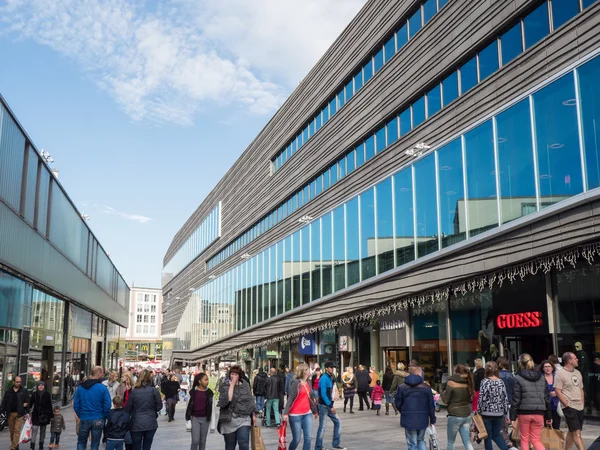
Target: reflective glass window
326, 181
482, 204
450, 88
557, 136
370, 147
358, 81
390, 48
512, 44
380, 140
451, 193
426, 206
589, 92
403, 211
339, 247
415, 22
587, 3
12, 156
563, 11
392, 131
326, 253
468, 75
488, 60
294, 269
360, 155
536, 25
319, 121
367, 71
434, 100
333, 173
305, 135
350, 161
313, 189
31, 184
378, 60
368, 246
319, 185
401, 36
429, 10
385, 227
441, 3
349, 90
340, 99
418, 112
332, 107
342, 167
314, 263
515, 162
304, 269
282, 277
352, 242
405, 123
325, 113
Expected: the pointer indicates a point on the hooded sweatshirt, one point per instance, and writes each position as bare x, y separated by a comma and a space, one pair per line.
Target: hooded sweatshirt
414, 400
530, 395
457, 396
92, 400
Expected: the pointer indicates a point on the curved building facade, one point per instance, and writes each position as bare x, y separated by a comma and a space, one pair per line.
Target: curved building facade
430, 190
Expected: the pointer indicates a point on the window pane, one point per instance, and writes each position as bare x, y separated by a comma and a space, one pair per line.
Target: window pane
434, 101
305, 135
481, 179
306, 264
326, 182
418, 112
380, 140
370, 148
319, 185
280, 278
515, 162
512, 44
358, 81
587, 3
488, 60
468, 75
452, 204
385, 226
296, 269
589, 90
42, 218
415, 22
349, 90
340, 99
450, 88
557, 135
332, 107
326, 253
426, 206
333, 173
360, 155
12, 155
403, 211
392, 131
350, 163
325, 113
339, 249
405, 125
390, 48
319, 121
563, 11
401, 37
352, 242
378, 60
429, 10
368, 71
342, 167
537, 25
32, 170
441, 3
367, 231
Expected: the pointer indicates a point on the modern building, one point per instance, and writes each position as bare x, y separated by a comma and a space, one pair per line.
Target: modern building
142, 340
62, 301
430, 190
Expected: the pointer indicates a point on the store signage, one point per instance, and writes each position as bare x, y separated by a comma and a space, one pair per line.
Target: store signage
390, 325
531, 319
307, 344
343, 343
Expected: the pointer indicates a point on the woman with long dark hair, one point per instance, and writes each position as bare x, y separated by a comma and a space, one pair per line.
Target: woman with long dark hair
548, 371
143, 405
457, 396
170, 390
388, 379
199, 410
41, 413
301, 408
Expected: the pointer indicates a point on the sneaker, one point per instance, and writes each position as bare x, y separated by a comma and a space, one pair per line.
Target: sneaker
339, 448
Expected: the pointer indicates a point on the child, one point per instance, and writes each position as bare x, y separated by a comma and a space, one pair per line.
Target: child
56, 427
377, 396
117, 425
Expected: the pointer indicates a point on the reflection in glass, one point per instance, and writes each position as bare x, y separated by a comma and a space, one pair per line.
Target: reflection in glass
488, 60
380, 139
515, 162
350, 161
450, 88
536, 25
385, 226
306, 264
339, 248
402, 37
512, 44
272, 281
358, 81
434, 101
280, 278
405, 123
557, 134
370, 147
367, 230
390, 48
452, 207
415, 22
378, 60
426, 206
430, 340
429, 10
360, 155
418, 112
392, 131
468, 75
403, 210
287, 273
295, 269
352, 242
563, 11
327, 256
368, 71
589, 93
349, 89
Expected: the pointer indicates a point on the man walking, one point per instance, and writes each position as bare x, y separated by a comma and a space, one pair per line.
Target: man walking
92, 405
15, 403
414, 400
363, 380
327, 409
259, 388
568, 385
273, 390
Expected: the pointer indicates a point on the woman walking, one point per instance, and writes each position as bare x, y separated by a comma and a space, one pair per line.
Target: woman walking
349, 388
170, 390
478, 376
530, 403
548, 371
199, 410
143, 406
493, 406
41, 414
300, 408
314, 381
124, 390
238, 410
388, 378
457, 397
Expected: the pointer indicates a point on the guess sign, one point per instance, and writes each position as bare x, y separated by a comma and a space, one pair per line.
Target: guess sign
519, 320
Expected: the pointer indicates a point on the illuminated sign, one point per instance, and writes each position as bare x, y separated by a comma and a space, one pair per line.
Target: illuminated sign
519, 320
390, 325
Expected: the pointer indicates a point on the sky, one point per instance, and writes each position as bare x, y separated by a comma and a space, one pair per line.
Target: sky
145, 105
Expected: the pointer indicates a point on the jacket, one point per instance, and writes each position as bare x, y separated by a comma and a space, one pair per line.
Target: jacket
414, 400
143, 406
377, 393
530, 395
478, 377
124, 393
399, 377
41, 407
374, 377
509, 383
293, 394
259, 385
457, 397
349, 385
287, 380
58, 424
117, 425
362, 380
92, 400
325, 390
242, 402
210, 396
170, 389
273, 387
386, 384
493, 401
22, 398
112, 388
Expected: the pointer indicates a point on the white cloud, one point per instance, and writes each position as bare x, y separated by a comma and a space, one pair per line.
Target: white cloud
164, 61
113, 212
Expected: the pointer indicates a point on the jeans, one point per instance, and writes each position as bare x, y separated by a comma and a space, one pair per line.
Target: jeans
530, 429
388, 397
493, 426
301, 425
324, 412
273, 403
199, 433
38, 431
241, 437
142, 440
114, 444
54, 438
415, 439
315, 393
459, 425
260, 402
85, 427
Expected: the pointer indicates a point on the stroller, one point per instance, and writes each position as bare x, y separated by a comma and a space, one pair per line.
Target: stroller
3, 419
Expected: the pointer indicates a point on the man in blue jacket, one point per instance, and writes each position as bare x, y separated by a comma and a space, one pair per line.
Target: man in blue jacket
414, 400
92, 405
327, 409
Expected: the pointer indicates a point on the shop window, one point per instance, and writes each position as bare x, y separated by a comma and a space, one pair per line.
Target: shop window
430, 345
451, 193
589, 93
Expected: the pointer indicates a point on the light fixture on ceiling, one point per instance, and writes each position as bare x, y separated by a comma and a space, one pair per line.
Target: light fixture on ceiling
245, 256
192, 289
84, 216
177, 298
305, 219
211, 277
418, 149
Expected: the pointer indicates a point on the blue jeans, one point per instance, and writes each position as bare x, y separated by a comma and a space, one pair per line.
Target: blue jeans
260, 402
114, 445
240, 437
388, 397
415, 439
315, 393
459, 425
142, 440
55, 438
493, 426
301, 425
324, 412
85, 427
274, 404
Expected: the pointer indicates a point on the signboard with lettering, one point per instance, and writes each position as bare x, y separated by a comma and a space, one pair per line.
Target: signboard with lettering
307, 344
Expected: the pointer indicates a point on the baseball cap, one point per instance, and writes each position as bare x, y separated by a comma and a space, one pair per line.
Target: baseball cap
329, 365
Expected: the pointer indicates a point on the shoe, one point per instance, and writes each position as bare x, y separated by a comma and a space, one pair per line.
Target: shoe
352, 412
339, 448
344, 409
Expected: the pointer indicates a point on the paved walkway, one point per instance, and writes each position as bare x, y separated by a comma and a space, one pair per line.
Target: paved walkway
362, 430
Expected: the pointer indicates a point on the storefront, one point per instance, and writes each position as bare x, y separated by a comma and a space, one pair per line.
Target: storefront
394, 339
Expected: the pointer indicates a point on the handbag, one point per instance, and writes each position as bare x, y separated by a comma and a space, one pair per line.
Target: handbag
553, 439
282, 436
479, 427
225, 415
256, 439
25, 436
213, 420
188, 425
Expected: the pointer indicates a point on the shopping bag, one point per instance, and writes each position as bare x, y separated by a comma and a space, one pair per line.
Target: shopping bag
433, 440
213, 420
515, 436
188, 425
553, 439
479, 427
257, 439
282, 437
163, 411
25, 437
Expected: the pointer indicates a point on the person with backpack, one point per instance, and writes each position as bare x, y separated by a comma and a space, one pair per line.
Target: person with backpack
259, 389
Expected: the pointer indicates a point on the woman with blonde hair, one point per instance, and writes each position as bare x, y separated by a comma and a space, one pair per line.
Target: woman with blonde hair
349, 388
299, 407
124, 390
143, 405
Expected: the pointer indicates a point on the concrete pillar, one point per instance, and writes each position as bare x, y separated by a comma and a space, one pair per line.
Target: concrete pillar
375, 349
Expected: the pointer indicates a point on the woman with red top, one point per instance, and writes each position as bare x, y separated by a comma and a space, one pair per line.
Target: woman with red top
300, 408
315, 382
124, 390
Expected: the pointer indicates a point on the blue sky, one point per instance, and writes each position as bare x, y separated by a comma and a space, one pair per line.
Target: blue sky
145, 105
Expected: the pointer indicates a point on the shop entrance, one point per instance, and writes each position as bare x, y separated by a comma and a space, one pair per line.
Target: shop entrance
539, 347
9, 340
395, 355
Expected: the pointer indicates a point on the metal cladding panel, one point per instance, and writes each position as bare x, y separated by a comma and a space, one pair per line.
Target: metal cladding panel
25, 251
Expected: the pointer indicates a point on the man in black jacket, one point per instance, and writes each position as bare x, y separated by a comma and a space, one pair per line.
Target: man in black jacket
259, 388
273, 390
363, 380
15, 402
